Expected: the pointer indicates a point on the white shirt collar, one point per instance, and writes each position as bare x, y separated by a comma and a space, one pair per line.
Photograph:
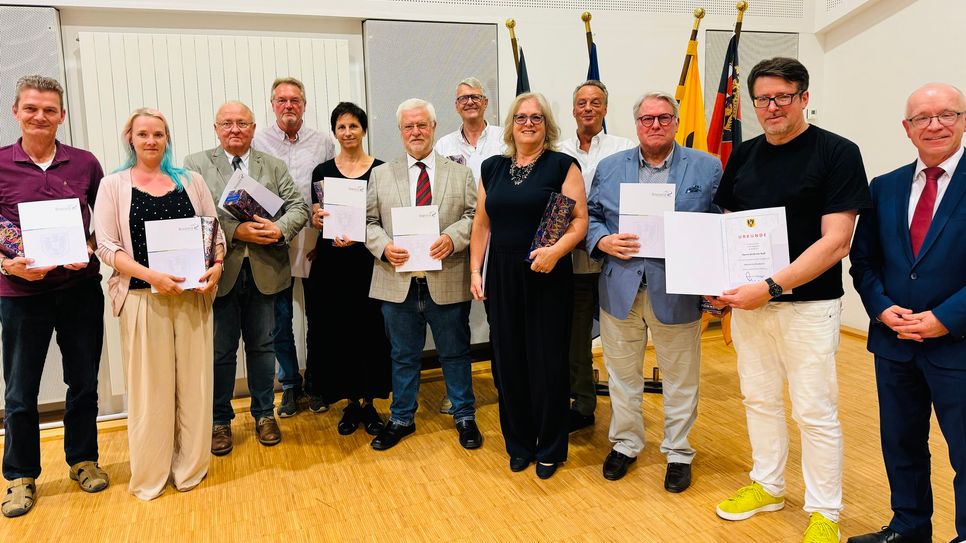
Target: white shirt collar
429, 161
949, 165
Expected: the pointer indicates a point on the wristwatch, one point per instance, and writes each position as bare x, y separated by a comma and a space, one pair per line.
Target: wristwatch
774, 289
3, 271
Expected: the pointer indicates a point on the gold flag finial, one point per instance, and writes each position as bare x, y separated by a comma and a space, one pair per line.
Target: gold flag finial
699, 13
585, 16
510, 23
742, 6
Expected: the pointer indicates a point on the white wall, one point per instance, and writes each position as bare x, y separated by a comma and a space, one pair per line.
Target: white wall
873, 61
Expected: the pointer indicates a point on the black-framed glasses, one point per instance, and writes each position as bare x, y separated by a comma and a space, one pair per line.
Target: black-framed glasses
946, 118
663, 119
467, 98
522, 119
781, 100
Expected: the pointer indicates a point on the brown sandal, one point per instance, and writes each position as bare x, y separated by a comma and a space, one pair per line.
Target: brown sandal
20, 497
89, 476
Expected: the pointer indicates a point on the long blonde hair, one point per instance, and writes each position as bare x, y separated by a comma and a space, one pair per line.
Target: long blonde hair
551, 128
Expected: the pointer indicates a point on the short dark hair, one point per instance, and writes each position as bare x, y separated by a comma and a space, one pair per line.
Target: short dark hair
789, 69
348, 108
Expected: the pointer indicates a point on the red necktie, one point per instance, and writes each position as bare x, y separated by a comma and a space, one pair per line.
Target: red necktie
424, 195
923, 215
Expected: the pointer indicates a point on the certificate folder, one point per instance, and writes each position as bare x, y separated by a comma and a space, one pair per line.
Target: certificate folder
709, 253
553, 224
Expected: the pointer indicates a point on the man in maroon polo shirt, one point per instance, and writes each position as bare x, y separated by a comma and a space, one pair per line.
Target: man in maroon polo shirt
36, 302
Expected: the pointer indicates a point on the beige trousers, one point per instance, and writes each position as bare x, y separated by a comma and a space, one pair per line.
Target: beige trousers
166, 345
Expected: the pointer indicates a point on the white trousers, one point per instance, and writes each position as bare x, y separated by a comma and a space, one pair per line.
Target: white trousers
678, 349
168, 352
793, 341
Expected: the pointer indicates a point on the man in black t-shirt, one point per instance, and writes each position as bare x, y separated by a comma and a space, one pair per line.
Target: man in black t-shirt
788, 324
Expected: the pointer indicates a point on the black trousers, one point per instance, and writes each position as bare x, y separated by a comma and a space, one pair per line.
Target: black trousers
530, 316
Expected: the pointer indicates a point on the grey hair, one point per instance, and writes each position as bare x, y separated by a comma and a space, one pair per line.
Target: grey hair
288, 81
658, 95
40, 83
415, 103
472, 83
592, 83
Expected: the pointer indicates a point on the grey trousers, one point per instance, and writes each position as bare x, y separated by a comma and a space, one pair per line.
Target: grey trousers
678, 348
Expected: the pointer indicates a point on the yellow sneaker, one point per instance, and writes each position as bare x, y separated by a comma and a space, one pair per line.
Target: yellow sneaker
821, 530
747, 501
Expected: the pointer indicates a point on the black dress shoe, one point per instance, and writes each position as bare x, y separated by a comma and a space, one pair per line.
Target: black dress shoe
371, 418
678, 477
546, 471
391, 435
350, 419
616, 464
578, 421
887, 535
470, 436
519, 463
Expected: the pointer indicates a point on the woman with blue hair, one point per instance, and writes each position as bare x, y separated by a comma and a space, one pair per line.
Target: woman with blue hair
166, 338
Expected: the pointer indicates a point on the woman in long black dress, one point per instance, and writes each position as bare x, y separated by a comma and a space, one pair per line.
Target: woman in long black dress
338, 305
529, 304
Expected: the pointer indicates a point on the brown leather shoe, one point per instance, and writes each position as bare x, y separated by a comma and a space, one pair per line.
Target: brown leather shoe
221, 443
268, 431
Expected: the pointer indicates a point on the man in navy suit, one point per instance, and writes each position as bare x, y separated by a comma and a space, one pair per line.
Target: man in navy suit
909, 266
633, 296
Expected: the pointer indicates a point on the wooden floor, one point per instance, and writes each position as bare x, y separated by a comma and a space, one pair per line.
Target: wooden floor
319, 486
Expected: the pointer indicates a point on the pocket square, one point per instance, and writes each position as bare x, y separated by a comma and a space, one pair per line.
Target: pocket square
693, 189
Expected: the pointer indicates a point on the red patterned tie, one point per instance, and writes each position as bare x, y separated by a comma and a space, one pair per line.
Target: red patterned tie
424, 195
923, 214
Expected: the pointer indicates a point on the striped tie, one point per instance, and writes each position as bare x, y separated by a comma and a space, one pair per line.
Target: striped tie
424, 195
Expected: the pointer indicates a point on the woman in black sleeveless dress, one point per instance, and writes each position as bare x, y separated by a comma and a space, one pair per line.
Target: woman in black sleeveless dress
338, 306
529, 305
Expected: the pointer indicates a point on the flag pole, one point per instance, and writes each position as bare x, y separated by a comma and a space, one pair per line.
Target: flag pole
741, 6
585, 17
679, 92
511, 24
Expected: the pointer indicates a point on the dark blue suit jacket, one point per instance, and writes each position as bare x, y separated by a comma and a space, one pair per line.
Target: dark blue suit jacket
886, 273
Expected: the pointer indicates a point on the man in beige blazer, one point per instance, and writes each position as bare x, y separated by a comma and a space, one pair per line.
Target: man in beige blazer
412, 299
256, 269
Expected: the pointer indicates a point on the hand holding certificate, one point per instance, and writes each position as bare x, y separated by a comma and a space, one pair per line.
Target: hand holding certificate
345, 202
53, 233
416, 229
177, 247
642, 207
709, 254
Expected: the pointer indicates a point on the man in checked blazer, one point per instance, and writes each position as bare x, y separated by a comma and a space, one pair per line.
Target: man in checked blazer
257, 255
413, 299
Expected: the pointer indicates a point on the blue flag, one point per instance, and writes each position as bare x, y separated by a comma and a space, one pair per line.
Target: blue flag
523, 81
593, 71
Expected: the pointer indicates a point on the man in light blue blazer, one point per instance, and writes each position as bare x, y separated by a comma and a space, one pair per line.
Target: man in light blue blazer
633, 295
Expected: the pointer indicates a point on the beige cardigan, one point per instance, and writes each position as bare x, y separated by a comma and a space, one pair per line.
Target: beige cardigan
112, 211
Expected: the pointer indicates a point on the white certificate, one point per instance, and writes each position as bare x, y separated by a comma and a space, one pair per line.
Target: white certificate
345, 200
416, 229
642, 207
265, 198
303, 243
708, 254
176, 247
53, 232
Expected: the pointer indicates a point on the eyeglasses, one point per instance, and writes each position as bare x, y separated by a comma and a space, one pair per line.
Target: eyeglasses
467, 98
522, 119
294, 101
946, 118
781, 100
226, 125
410, 128
648, 120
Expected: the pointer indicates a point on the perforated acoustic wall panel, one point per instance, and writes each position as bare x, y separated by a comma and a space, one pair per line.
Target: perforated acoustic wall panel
753, 47
789, 9
29, 44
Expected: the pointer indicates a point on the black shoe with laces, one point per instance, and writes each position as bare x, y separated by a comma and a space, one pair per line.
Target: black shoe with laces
350, 418
371, 419
289, 405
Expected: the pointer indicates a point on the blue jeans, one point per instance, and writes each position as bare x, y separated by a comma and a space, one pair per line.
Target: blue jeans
248, 313
77, 316
406, 328
285, 353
